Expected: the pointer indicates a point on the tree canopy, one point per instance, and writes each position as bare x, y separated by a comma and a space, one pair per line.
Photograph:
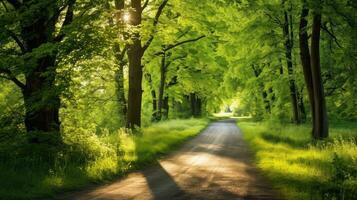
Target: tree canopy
64, 61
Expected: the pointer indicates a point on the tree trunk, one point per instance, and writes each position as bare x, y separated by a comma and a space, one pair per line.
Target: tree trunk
42, 103
288, 54
120, 90
135, 54
306, 63
162, 85
165, 107
41, 97
193, 104
321, 122
135, 85
198, 107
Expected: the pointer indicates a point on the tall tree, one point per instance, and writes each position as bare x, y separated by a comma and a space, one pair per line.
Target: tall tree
135, 54
289, 42
312, 72
305, 59
321, 123
165, 63
37, 36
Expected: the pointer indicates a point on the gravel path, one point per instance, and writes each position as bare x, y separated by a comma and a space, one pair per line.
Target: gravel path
216, 164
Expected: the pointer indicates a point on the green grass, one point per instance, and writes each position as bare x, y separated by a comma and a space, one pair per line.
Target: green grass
302, 168
89, 158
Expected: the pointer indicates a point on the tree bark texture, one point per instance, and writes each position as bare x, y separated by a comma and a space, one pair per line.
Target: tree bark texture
312, 73
321, 122
135, 54
305, 60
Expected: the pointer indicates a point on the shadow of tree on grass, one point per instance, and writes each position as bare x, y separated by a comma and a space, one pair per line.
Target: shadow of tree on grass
299, 144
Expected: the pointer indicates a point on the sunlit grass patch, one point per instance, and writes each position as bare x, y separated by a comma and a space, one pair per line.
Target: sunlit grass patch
90, 158
303, 168
163, 137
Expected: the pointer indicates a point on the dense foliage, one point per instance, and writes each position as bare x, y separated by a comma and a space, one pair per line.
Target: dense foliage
75, 70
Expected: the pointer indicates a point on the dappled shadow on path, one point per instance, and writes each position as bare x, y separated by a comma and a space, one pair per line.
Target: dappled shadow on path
161, 184
216, 165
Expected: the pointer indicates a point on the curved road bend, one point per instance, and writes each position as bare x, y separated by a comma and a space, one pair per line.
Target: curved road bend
214, 165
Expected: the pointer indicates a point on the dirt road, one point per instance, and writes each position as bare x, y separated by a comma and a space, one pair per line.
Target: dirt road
215, 165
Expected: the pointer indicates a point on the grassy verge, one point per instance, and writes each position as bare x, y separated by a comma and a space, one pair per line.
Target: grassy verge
302, 168
90, 158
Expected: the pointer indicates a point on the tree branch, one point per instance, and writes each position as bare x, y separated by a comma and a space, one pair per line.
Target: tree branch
275, 19
69, 15
145, 5
331, 35
183, 33
67, 20
159, 12
11, 77
156, 21
172, 82
172, 46
120, 53
183, 42
54, 19
17, 40
3, 3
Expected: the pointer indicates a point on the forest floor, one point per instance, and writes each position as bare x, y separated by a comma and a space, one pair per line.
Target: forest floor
216, 164
300, 167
